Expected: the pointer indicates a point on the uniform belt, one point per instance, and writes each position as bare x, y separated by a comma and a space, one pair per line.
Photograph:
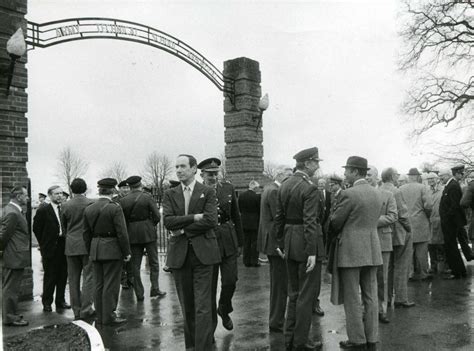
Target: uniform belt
104, 235
137, 220
294, 221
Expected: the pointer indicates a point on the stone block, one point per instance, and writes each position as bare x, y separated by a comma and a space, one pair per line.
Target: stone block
242, 134
242, 68
245, 86
244, 164
241, 118
244, 149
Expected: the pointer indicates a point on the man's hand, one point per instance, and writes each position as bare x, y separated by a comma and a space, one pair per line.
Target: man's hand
311, 263
198, 217
127, 258
280, 253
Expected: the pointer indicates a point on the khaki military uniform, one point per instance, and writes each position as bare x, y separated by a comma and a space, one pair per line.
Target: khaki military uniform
106, 238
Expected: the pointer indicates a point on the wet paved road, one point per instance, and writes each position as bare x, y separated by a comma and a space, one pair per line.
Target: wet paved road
442, 320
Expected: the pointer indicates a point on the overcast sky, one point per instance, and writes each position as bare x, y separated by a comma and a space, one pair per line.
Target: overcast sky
329, 69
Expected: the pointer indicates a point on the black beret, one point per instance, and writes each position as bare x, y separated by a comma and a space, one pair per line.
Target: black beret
210, 164
122, 183
307, 154
107, 183
133, 180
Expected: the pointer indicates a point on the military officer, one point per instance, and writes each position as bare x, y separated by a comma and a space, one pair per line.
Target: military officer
142, 216
229, 236
106, 238
127, 269
300, 242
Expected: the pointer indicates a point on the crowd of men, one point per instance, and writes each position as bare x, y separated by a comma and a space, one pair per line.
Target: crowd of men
375, 235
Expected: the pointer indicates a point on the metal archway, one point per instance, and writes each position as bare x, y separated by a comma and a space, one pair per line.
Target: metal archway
47, 34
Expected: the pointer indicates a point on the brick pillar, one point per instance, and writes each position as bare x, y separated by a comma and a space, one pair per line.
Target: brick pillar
13, 122
243, 149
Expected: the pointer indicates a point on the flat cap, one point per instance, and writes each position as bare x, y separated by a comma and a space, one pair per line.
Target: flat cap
413, 171
107, 183
133, 180
356, 162
458, 168
209, 164
122, 183
41, 195
174, 183
335, 179
307, 154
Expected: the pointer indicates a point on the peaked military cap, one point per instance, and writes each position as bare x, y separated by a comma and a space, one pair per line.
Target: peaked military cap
122, 183
335, 179
41, 195
174, 183
133, 180
413, 171
307, 154
458, 168
357, 162
210, 164
107, 183
65, 194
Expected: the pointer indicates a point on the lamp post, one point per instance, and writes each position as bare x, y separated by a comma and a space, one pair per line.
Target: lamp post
262, 106
16, 47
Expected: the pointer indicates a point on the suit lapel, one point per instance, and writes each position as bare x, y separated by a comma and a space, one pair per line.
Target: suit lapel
53, 214
179, 198
197, 191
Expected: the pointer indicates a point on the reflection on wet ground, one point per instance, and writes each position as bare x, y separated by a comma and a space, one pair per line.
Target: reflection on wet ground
443, 318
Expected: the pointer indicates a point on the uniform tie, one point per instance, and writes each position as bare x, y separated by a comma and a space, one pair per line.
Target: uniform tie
187, 198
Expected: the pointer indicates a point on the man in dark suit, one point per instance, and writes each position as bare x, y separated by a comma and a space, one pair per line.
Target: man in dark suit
300, 242
229, 237
106, 240
267, 245
453, 220
15, 244
72, 220
190, 212
142, 216
467, 201
48, 231
358, 255
249, 205
326, 200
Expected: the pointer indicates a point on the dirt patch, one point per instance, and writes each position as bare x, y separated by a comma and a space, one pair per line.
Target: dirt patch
51, 338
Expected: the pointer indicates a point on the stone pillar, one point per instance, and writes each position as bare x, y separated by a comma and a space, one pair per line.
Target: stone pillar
243, 149
13, 122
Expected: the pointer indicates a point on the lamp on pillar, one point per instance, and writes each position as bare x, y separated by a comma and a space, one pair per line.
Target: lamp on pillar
262, 106
16, 47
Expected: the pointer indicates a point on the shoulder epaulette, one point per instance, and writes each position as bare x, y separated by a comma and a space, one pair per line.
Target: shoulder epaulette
309, 181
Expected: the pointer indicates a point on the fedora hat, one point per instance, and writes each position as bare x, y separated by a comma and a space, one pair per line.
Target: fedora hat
356, 162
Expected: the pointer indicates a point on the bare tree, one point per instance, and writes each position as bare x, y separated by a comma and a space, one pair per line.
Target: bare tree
70, 166
222, 168
439, 50
271, 170
156, 170
439, 38
116, 170
454, 154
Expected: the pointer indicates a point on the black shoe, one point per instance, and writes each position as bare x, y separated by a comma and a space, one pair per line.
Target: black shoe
63, 306
383, 318
226, 320
371, 346
256, 265
88, 316
318, 311
157, 293
309, 347
427, 278
18, 323
348, 345
405, 304
47, 308
452, 277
